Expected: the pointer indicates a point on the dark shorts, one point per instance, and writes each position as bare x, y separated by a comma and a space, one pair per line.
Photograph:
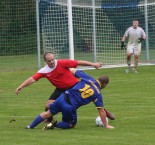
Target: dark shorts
57, 92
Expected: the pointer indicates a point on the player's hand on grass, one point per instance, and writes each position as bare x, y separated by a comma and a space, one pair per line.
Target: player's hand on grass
109, 127
18, 90
123, 45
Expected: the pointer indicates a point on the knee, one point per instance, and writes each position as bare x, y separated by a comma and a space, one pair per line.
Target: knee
46, 114
47, 104
136, 57
128, 56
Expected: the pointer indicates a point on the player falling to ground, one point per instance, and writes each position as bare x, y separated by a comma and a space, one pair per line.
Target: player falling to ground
58, 73
135, 35
84, 92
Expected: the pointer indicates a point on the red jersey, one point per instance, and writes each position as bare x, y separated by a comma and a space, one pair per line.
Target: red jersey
60, 75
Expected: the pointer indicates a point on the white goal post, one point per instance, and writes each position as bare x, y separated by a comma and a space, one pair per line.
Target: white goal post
92, 29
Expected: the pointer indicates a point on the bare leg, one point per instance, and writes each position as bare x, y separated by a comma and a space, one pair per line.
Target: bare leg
136, 59
129, 60
47, 108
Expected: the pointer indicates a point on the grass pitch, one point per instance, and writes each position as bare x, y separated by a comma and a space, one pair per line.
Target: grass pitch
130, 97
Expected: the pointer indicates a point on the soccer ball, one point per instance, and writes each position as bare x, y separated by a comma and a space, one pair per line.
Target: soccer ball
99, 122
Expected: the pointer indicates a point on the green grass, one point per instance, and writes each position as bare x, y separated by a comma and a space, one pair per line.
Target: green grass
108, 57
129, 96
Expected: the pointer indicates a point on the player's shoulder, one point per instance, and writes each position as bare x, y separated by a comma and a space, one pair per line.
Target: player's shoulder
140, 28
64, 60
130, 28
46, 69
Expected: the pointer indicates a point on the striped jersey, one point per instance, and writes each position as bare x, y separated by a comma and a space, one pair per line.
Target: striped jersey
86, 91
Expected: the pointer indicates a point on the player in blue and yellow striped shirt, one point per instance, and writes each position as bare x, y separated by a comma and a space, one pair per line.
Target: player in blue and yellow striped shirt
84, 92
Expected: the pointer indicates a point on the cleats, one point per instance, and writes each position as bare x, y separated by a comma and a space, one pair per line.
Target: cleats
128, 70
134, 70
28, 127
50, 125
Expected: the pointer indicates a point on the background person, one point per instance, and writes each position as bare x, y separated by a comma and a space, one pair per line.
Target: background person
135, 35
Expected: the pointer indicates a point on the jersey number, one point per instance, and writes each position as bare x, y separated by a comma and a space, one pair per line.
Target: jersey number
86, 91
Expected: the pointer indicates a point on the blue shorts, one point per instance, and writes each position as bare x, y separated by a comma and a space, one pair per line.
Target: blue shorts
69, 113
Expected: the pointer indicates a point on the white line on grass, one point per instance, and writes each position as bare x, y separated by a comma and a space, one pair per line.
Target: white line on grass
124, 118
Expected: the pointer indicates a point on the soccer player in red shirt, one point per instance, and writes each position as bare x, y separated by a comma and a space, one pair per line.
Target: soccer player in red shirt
58, 73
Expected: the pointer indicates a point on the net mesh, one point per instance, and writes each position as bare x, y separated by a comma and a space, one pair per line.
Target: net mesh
17, 34
112, 18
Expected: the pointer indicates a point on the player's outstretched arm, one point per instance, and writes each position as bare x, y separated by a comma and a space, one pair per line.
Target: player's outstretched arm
97, 65
26, 83
102, 114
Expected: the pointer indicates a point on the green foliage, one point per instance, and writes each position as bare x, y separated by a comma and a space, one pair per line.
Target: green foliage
129, 96
17, 27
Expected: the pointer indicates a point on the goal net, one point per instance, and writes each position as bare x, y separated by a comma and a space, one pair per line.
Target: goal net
98, 27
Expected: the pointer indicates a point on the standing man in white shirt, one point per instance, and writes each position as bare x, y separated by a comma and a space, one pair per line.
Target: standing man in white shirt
135, 35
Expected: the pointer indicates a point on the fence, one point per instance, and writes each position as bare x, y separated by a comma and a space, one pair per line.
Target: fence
78, 29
